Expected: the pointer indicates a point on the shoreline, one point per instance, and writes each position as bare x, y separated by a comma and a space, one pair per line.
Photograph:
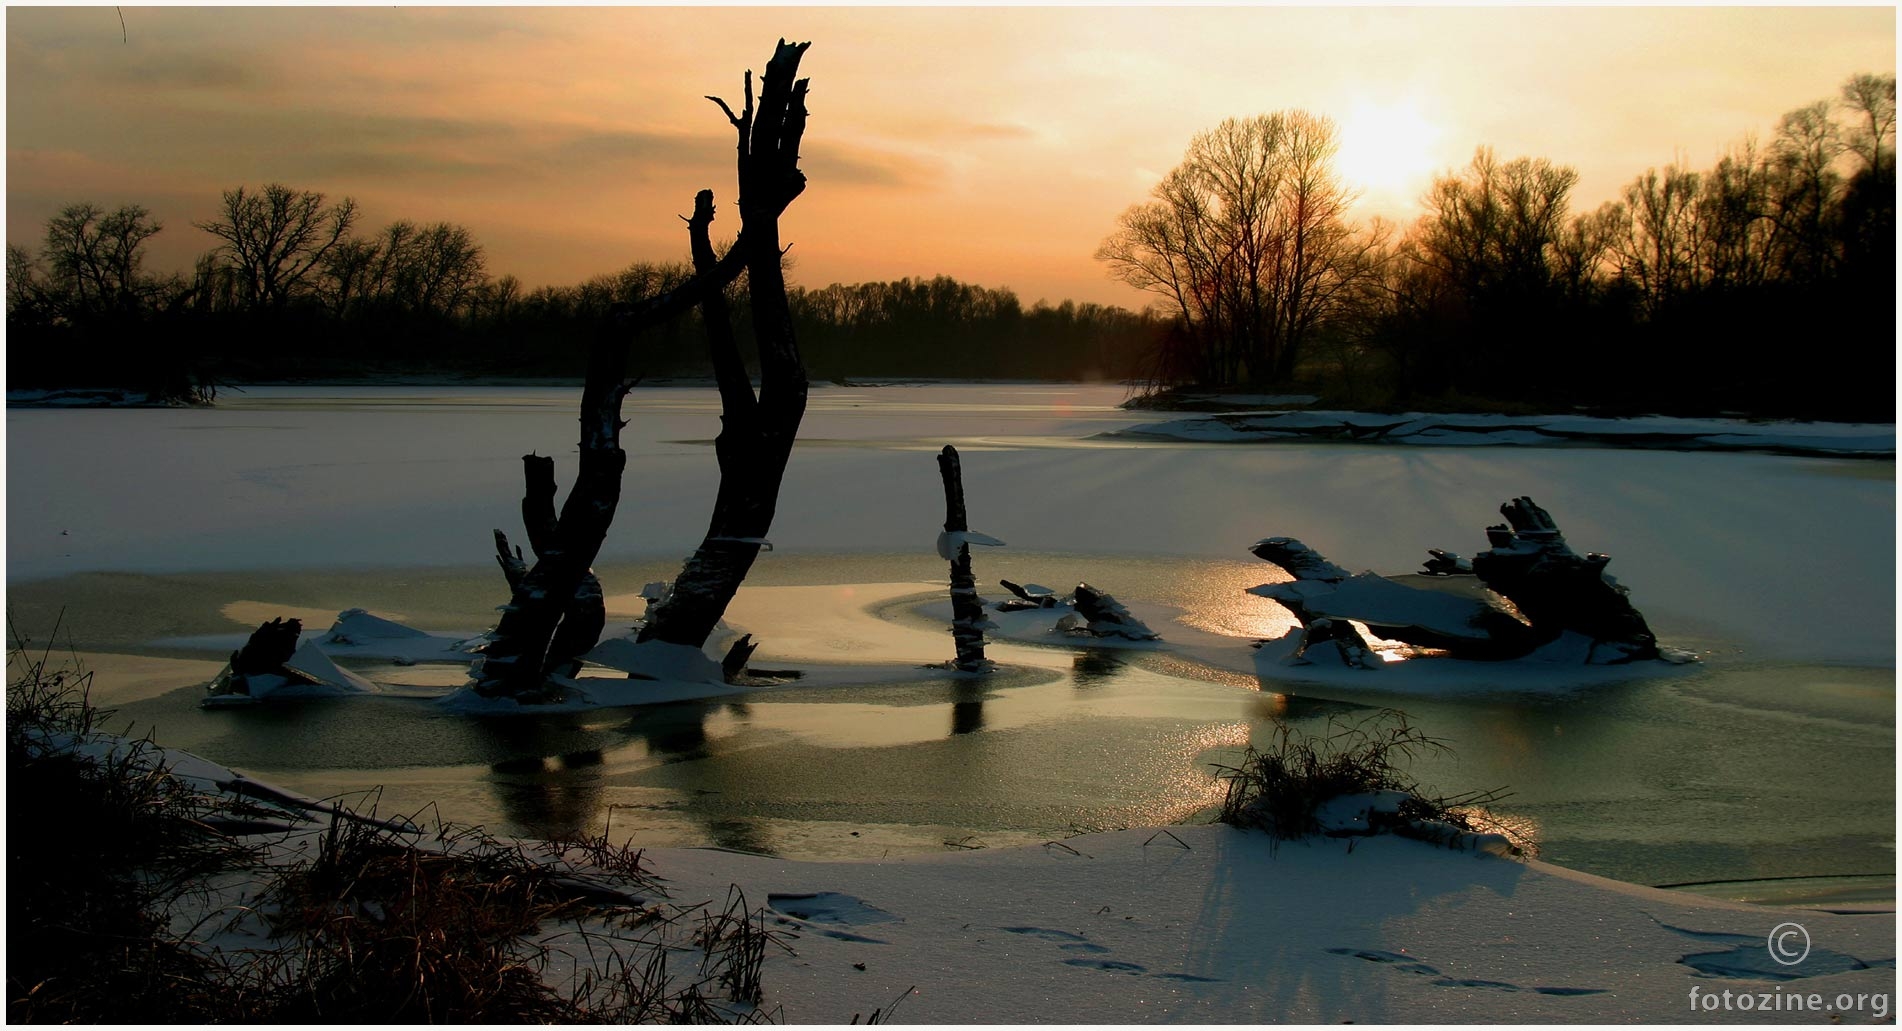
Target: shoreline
812, 626
1208, 924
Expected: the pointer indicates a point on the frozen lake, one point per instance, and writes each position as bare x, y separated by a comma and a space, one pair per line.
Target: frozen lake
1774, 758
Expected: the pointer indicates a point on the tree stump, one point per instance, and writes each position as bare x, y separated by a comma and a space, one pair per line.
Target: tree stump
967, 609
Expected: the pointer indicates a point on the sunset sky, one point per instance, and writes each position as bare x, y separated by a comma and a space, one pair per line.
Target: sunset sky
995, 144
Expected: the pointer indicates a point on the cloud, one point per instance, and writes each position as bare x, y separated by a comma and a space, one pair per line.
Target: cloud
398, 165
631, 150
189, 71
621, 148
865, 166
956, 129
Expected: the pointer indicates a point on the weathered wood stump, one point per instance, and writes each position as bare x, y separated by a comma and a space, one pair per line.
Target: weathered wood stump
967, 609
1108, 618
1557, 590
1536, 591
268, 648
1028, 596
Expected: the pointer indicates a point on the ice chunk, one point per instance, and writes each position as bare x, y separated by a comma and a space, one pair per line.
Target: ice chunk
950, 540
355, 626
657, 660
313, 663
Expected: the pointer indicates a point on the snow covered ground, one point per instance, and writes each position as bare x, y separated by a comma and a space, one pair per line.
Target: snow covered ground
1213, 925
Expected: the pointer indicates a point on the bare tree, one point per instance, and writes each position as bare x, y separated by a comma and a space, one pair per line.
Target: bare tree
1662, 238
1870, 101
276, 237
1739, 237
1579, 254
1246, 245
444, 267
552, 615
347, 276
1490, 228
94, 258
1806, 188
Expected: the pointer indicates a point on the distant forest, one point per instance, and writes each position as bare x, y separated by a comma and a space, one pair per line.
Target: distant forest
1764, 285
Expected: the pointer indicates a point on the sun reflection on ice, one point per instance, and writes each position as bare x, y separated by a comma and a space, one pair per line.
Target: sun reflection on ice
1213, 598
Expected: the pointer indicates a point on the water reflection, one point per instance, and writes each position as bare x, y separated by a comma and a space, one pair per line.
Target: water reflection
549, 797
674, 732
545, 773
1092, 666
967, 708
548, 773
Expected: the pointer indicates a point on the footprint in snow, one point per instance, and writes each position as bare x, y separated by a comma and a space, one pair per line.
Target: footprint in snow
825, 911
1068, 942
1107, 964
1410, 965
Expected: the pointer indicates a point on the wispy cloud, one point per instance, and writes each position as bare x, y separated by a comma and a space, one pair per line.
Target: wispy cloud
188, 72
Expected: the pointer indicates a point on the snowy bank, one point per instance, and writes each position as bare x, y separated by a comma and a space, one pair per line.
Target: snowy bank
1216, 925
1855, 440
1211, 924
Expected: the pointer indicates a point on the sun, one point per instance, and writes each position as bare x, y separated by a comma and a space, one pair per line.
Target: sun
1388, 152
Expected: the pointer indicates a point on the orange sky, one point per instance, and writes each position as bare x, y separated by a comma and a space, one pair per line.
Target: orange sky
993, 144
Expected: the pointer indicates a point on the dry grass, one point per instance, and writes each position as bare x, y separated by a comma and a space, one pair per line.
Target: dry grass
104, 846
130, 905
1280, 788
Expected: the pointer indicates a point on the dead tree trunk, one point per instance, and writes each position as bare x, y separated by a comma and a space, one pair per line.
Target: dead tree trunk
756, 432
967, 610
585, 614
522, 653
547, 624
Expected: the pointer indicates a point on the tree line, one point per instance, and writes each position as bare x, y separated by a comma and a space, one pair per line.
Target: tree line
293, 288
1762, 285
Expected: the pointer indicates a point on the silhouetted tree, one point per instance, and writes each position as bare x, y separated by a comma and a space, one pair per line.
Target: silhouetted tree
1805, 189
93, 259
276, 237
1247, 246
1661, 245
756, 431
1870, 102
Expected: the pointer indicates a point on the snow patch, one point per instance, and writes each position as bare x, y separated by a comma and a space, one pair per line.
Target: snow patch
657, 660
1866, 440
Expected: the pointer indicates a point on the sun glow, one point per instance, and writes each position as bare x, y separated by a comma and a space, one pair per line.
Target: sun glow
1388, 152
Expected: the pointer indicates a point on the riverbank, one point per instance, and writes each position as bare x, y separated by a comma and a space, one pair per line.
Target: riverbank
1203, 924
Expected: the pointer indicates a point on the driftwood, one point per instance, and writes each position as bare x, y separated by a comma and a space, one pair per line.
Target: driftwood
1028, 596
273, 662
1532, 590
268, 648
967, 609
548, 622
1556, 589
1108, 618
